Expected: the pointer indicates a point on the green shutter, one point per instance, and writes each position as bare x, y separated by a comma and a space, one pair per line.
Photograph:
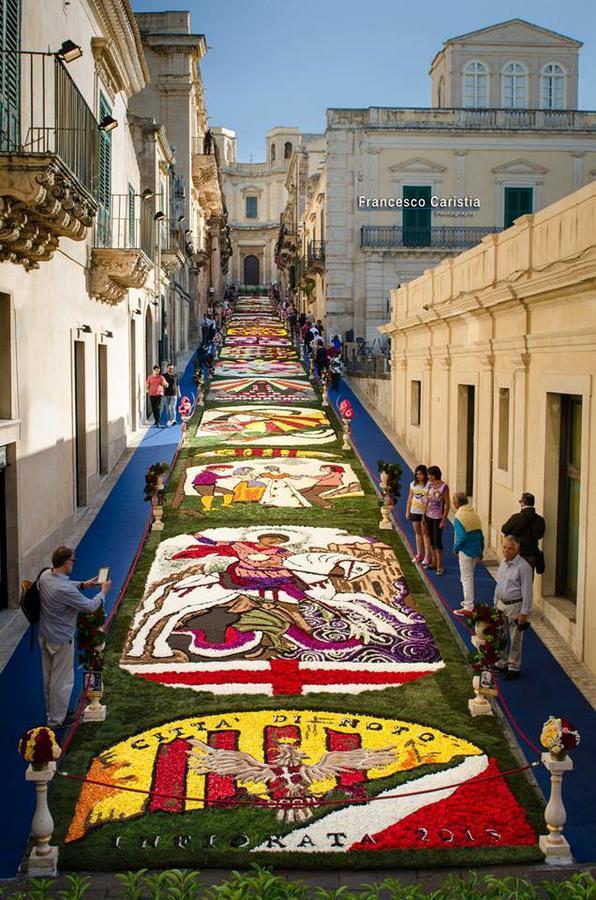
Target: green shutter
416, 219
104, 192
518, 202
132, 238
10, 23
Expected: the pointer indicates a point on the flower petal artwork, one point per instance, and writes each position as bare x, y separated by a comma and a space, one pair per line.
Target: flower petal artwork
259, 329
259, 389
277, 610
324, 775
255, 341
291, 483
265, 425
238, 368
258, 352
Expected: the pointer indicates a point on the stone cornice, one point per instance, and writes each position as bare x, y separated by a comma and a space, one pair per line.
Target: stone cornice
122, 58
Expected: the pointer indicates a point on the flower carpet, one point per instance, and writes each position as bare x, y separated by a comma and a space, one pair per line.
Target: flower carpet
280, 687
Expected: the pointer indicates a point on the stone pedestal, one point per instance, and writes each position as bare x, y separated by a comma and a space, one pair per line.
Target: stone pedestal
43, 858
553, 845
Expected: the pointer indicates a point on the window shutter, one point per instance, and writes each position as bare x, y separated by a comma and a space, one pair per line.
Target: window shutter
10, 12
104, 188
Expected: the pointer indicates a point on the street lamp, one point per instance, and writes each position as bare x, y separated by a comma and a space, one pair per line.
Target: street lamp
69, 51
108, 123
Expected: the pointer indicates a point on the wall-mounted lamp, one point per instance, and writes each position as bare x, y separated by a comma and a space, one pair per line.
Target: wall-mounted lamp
147, 194
108, 124
108, 334
181, 219
86, 328
159, 216
137, 312
69, 51
187, 232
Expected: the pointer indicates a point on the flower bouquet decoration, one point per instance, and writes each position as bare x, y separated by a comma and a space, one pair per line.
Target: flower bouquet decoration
39, 747
154, 488
559, 737
488, 624
390, 474
91, 639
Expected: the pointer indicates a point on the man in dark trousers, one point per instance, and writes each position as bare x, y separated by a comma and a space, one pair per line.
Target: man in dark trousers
528, 527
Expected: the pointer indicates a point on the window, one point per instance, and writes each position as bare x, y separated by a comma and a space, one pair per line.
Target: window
287, 149
518, 202
552, 87
10, 22
441, 92
104, 188
475, 86
503, 444
514, 86
415, 398
251, 207
272, 152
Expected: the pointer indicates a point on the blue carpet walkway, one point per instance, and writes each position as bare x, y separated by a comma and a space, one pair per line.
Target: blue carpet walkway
544, 689
111, 540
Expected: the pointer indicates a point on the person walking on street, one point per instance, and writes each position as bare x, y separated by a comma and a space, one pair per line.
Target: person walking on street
415, 509
156, 385
171, 394
513, 596
61, 602
528, 527
435, 517
469, 546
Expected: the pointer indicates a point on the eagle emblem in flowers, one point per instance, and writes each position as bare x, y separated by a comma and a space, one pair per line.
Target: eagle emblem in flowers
287, 779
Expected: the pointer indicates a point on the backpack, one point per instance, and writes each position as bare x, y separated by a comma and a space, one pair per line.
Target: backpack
30, 602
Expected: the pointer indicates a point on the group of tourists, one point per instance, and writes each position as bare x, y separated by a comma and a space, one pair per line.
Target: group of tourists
427, 508
163, 389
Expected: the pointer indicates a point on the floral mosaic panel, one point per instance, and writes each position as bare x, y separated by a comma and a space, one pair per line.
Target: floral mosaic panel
278, 610
265, 425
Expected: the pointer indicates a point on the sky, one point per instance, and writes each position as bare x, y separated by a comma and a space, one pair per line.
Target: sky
274, 62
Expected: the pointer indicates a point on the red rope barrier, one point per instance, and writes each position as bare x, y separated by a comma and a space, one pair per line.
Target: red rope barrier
282, 803
509, 715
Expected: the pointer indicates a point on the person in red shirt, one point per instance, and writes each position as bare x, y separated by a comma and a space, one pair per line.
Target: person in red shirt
156, 385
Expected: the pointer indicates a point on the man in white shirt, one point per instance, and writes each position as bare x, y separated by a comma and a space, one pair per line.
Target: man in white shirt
61, 603
513, 596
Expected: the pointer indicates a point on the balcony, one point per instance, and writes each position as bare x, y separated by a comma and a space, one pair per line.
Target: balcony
48, 160
123, 248
205, 178
456, 119
172, 255
435, 237
315, 257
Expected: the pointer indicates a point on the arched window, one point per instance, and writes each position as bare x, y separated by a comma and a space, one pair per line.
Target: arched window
553, 87
287, 149
251, 270
272, 152
514, 86
475, 86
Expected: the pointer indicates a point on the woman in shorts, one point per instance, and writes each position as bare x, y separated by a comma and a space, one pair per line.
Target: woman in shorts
415, 509
435, 517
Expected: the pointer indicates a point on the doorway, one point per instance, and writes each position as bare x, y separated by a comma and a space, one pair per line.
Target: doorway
466, 426
80, 424
569, 496
251, 270
104, 422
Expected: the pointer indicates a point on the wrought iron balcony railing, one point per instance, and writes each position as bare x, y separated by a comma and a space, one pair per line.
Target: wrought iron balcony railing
127, 224
42, 111
388, 237
315, 254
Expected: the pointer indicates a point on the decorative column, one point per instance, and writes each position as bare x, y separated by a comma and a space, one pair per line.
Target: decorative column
554, 846
43, 858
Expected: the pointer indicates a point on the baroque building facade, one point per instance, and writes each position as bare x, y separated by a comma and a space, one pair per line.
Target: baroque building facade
97, 277
484, 385
406, 188
256, 193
